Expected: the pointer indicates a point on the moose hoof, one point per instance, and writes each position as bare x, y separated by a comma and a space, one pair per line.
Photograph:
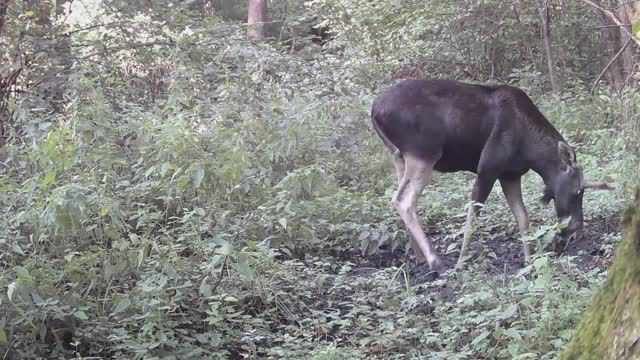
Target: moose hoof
437, 266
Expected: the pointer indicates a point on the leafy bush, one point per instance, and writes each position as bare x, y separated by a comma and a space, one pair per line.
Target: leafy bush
214, 198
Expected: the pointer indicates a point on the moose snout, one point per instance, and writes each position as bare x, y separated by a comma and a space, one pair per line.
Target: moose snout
574, 226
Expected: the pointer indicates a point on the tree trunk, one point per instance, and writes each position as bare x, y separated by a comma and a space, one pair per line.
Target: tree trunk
4, 5
5, 83
546, 37
610, 326
610, 38
62, 55
627, 14
257, 17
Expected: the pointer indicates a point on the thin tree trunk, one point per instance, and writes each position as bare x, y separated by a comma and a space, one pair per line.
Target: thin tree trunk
626, 15
4, 4
610, 38
257, 17
546, 37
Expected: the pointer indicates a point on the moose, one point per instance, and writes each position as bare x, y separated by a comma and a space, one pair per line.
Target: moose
493, 131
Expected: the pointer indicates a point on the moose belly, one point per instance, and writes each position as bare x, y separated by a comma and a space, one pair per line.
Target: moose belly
460, 159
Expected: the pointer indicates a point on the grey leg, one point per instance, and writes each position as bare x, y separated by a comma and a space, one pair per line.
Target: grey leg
416, 176
513, 193
481, 190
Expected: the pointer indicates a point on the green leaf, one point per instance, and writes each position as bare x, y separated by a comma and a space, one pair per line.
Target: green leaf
122, 306
513, 333
164, 167
49, 179
509, 312
205, 289
80, 315
480, 337
196, 176
225, 246
10, 290
364, 235
635, 28
242, 266
283, 223
140, 257
149, 171
23, 274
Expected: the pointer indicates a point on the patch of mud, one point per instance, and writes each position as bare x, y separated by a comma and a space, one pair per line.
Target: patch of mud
498, 249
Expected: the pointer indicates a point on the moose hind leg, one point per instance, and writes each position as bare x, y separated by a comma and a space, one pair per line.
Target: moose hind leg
398, 163
417, 174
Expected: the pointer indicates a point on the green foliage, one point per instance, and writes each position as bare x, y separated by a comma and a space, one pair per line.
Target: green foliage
200, 196
459, 39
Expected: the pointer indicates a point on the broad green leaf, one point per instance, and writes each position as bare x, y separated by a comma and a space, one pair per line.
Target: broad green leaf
196, 176
635, 28
225, 246
122, 306
481, 337
509, 312
513, 333
49, 179
205, 289
283, 223
23, 274
80, 315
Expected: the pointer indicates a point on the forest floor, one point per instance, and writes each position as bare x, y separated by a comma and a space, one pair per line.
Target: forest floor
371, 307
588, 252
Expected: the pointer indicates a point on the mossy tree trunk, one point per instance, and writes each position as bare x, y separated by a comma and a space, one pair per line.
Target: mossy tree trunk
610, 327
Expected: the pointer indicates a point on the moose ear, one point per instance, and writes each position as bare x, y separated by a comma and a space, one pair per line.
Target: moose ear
547, 195
566, 153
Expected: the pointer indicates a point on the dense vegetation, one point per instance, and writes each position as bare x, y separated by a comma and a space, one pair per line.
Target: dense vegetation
170, 189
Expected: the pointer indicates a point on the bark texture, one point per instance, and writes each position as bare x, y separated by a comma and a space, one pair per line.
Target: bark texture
610, 327
256, 18
545, 15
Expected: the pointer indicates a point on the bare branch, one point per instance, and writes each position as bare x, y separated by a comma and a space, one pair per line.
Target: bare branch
626, 3
610, 63
608, 26
615, 19
89, 28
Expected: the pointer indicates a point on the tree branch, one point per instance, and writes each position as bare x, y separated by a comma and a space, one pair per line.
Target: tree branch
626, 3
615, 19
609, 64
88, 28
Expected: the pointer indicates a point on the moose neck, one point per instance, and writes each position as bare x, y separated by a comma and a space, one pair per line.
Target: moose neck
546, 161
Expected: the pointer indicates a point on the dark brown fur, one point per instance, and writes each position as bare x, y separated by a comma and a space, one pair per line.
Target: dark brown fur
496, 132
457, 122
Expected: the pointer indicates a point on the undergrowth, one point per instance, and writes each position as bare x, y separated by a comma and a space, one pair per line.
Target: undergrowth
225, 220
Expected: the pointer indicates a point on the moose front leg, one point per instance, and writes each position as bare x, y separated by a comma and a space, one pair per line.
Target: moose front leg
513, 193
481, 190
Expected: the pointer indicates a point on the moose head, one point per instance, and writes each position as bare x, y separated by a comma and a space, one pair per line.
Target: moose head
566, 188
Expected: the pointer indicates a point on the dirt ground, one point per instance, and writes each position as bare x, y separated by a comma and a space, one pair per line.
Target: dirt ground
588, 249
334, 299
